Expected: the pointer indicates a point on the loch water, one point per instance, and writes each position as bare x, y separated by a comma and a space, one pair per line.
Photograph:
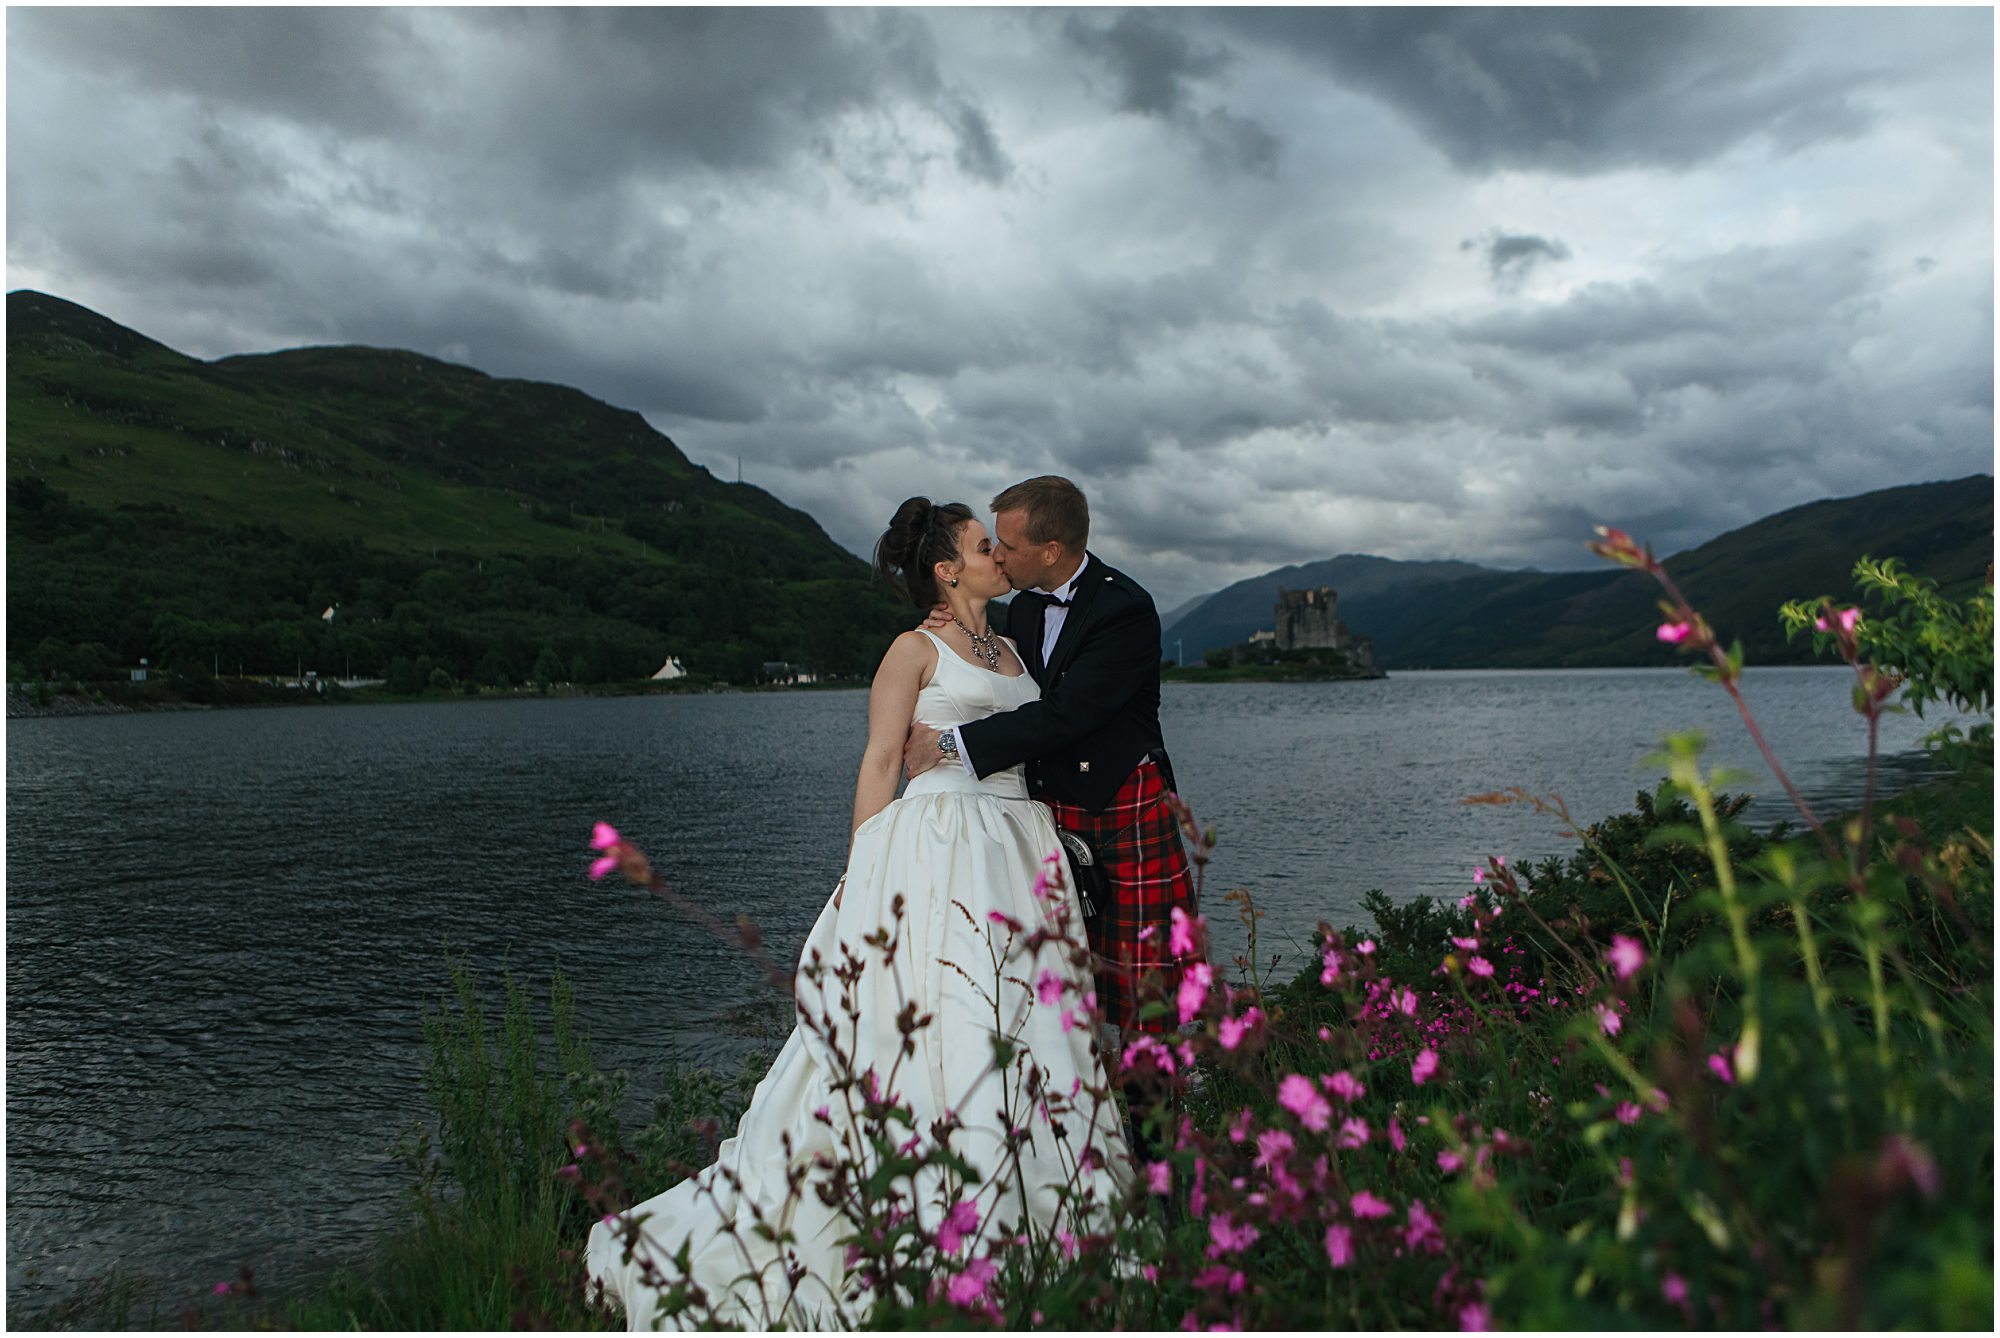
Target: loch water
223, 927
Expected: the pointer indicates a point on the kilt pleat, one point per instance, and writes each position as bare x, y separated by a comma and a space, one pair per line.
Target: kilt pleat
1139, 843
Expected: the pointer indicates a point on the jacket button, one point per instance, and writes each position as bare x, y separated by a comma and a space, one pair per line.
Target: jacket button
1083, 766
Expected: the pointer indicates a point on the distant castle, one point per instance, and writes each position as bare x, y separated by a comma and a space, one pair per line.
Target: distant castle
1309, 620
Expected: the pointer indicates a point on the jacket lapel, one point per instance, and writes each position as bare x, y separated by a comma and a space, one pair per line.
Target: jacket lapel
1024, 624
1087, 582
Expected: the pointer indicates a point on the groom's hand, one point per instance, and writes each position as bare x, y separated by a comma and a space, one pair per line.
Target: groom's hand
920, 750
940, 617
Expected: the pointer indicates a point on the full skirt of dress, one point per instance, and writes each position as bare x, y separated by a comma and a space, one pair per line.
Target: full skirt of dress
959, 876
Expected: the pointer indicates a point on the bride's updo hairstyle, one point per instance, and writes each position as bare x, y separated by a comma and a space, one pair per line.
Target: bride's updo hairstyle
920, 536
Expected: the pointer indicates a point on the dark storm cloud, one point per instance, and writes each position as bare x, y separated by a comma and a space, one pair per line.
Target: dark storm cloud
1153, 64
1578, 90
1155, 69
1510, 257
313, 64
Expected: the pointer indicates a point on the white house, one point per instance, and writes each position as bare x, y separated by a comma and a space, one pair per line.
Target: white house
673, 668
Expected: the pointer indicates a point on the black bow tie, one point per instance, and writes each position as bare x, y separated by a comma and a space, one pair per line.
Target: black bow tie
1052, 601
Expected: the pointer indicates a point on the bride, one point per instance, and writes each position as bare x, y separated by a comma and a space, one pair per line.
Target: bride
942, 977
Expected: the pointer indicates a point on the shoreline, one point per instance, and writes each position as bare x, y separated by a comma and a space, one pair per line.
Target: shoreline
69, 704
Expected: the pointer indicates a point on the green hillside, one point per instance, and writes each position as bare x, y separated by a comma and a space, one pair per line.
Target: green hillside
1457, 616
207, 512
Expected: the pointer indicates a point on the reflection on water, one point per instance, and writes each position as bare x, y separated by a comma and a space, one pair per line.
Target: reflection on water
222, 928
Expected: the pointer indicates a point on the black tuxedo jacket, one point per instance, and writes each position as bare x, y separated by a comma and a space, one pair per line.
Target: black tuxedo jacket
1099, 713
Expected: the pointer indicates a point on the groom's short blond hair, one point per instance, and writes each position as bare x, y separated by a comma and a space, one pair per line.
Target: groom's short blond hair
1053, 509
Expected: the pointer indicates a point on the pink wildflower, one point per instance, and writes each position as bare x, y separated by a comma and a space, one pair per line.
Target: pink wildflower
1450, 1162
1193, 993
602, 865
1423, 1231
969, 1285
223, 1288
1425, 1067
1234, 1029
1180, 934
999, 917
1405, 1001
1675, 633
1344, 1085
1846, 618
1273, 1147
1048, 988
1718, 1064
1068, 1019
1674, 1287
1396, 1139
1365, 1205
1478, 876
1339, 1246
960, 1221
1474, 1317
1365, 947
1229, 1235
1353, 1132
1159, 1177
1239, 1128
1627, 1112
1479, 966
1608, 1020
1903, 1157
1469, 944
1298, 1095
604, 836
1625, 955
1330, 966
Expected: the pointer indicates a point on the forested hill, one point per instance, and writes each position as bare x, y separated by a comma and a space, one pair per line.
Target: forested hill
204, 513
1454, 615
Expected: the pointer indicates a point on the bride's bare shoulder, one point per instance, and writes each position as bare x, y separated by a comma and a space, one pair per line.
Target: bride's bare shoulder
911, 654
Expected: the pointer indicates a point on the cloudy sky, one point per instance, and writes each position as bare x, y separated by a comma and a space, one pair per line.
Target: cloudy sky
1272, 285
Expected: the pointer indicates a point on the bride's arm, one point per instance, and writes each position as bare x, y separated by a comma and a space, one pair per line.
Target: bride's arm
892, 704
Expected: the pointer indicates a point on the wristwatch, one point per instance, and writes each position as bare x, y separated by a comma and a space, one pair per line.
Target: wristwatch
948, 745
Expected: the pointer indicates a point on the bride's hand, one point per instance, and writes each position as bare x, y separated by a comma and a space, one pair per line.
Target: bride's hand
940, 617
920, 750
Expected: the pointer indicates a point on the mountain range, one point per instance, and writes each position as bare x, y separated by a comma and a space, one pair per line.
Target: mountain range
208, 514
355, 509
1451, 615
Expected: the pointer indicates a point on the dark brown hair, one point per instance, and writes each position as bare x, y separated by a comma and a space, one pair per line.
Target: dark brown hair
1056, 511
920, 535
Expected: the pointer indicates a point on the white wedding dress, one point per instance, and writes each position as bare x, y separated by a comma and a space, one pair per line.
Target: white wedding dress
957, 852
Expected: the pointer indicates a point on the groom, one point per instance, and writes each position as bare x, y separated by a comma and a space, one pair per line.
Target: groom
1092, 744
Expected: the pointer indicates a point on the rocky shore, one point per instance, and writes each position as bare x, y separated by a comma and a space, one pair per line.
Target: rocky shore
21, 707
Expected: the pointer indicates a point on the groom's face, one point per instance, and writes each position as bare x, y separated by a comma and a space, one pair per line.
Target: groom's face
1027, 565
1024, 562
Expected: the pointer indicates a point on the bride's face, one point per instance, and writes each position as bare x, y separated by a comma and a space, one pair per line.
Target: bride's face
978, 575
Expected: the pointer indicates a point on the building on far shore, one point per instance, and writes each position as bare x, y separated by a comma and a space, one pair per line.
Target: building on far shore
1306, 630
673, 668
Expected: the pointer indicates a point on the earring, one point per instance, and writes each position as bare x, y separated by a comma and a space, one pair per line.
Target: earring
953, 583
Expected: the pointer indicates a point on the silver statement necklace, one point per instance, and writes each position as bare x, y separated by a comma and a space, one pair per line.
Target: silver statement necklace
986, 647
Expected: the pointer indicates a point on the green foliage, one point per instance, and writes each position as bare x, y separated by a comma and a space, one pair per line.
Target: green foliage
448, 514
1941, 647
489, 1214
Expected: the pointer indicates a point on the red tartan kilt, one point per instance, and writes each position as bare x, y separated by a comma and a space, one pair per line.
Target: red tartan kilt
1139, 844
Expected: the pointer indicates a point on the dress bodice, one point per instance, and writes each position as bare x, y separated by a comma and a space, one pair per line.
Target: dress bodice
960, 692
